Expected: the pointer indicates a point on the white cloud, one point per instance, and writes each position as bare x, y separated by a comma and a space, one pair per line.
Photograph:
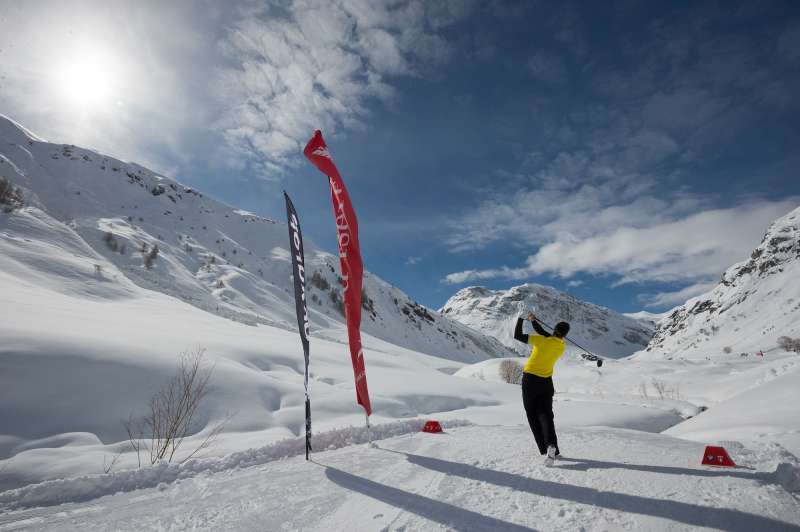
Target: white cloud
575, 283
571, 210
647, 240
411, 261
319, 64
678, 297
479, 275
695, 246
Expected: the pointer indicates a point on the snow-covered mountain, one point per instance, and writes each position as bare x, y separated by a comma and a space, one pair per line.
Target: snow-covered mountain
756, 302
494, 313
170, 238
650, 319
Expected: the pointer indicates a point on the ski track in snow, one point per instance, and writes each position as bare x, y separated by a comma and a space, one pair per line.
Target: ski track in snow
470, 478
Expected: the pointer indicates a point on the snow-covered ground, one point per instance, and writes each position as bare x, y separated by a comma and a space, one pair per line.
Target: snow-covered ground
753, 399
81, 352
480, 478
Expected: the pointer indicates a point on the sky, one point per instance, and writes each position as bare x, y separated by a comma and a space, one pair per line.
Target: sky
625, 152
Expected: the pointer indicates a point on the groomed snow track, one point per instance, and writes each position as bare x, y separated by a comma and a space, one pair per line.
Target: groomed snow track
475, 478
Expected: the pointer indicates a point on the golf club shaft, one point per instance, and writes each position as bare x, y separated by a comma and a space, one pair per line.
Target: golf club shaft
567, 338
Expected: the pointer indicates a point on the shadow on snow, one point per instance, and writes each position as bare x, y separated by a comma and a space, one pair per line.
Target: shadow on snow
682, 512
440, 512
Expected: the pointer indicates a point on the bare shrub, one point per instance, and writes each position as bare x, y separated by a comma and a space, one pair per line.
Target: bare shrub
789, 344
643, 391
510, 371
727, 350
10, 196
111, 241
660, 387
159, 434
151, 256
108, 465
319, 281
664, 391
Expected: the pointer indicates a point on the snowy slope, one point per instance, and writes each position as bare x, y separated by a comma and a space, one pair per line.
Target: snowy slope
85, 348
471, 478
494, 313
756, 302
650, 319
764, 414
216, 258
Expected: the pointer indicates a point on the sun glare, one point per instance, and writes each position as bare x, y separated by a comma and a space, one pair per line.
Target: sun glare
86, 81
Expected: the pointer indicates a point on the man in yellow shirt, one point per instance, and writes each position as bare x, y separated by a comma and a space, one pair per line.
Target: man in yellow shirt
537, 382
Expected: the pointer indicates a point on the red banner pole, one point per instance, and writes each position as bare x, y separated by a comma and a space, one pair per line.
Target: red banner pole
350, 262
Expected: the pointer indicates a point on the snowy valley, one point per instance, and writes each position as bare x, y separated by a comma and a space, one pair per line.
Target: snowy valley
92, 322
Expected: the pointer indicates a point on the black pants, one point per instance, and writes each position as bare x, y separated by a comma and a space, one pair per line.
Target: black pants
537, 396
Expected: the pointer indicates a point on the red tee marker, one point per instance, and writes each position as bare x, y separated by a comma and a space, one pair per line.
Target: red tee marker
432, 426
717, 456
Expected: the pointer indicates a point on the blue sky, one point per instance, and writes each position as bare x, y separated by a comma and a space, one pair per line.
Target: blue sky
626, 152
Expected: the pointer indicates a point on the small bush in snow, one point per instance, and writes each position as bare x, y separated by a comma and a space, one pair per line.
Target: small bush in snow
108, 465
150, 257
789, 344
511, 371
10, 196
159, 434
662, 389
112, 243
319, 281
643, 391
337, 301
727, 350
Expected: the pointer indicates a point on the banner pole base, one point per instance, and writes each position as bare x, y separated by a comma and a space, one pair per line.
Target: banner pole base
369, 431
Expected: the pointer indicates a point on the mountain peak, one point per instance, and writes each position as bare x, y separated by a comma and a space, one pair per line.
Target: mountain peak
11, 131
494, 312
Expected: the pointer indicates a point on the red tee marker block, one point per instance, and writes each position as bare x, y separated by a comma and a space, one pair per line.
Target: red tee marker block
432, 426
717, 456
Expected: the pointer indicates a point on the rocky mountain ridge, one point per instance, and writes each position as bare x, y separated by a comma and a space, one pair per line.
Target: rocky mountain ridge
756, 302
494, 313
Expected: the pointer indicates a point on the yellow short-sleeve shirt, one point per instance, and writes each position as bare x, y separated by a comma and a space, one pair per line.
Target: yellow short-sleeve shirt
544, 355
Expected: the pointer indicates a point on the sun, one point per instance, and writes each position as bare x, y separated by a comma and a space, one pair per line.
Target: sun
86, 80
